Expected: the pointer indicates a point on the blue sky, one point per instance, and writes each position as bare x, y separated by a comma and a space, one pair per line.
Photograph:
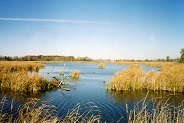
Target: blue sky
108, 29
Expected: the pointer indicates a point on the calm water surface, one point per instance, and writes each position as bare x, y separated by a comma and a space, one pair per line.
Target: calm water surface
89, 90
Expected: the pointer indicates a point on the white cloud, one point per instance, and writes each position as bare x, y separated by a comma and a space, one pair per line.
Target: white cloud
55, 20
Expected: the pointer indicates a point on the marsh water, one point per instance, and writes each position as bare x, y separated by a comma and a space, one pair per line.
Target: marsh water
89, 91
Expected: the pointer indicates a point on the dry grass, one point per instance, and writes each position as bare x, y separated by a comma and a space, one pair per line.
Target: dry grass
145, 111
170, 78
86, 116
13, 66
34, 111
14, 76
75, 74
157, 112
21, 82
101, 66
154, 64
129, 79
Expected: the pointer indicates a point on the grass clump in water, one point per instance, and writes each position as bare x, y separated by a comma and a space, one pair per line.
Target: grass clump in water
170, 78
75, 74
21, 82
14, 76
129, 79
101, 66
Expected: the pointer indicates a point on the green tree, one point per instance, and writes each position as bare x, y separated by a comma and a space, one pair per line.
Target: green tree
29, 58
167, 58
182, 55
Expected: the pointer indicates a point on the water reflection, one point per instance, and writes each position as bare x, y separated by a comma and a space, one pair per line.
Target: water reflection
18, 96
135, 96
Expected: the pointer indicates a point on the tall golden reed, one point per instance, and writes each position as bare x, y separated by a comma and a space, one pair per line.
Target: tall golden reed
153, 111
34, 111
170, 78
101, 66
14, 76
12, 66
75, 74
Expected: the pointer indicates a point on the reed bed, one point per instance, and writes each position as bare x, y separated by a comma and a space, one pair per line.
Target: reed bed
154, 64
35, 111
85, 115
145, 111
75, 74
13, 66
153, 111
14, 76
170, 78
21, 82
101, 66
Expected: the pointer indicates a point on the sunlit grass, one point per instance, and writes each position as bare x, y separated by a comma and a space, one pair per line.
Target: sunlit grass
145, 111
154, 111
75, 74
170, 78
14, 76
101, 66
34, 111
13, 66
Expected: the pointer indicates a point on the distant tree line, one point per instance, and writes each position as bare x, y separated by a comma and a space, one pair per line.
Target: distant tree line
44, 58
168, 59
72, 58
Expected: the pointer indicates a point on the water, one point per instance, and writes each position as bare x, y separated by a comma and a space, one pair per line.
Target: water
89, 90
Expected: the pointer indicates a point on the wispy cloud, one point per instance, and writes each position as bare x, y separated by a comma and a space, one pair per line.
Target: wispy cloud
55, 20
